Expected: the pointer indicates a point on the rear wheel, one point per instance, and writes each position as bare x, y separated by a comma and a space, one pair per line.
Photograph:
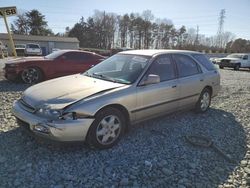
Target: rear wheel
107, 129
204, 101
31, 75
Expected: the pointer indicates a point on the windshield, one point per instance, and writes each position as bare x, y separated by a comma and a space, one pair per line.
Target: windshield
120, 68
54, 54
32, 46
19, 46
236, 56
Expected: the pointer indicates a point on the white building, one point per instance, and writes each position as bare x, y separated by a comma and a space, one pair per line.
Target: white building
47, 43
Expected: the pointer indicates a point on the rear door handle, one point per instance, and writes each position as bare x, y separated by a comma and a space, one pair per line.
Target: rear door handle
174, 86
201, 80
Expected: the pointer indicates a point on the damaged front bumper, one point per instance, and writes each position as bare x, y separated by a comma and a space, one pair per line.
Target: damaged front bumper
59, 130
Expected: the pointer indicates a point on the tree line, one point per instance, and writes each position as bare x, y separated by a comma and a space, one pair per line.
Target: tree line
32, 23
105, 30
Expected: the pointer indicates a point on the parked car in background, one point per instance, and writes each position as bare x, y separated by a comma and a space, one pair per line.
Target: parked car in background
60, 63
236, 61
132, 86
3, 50
214, 59
32, 50
20, 49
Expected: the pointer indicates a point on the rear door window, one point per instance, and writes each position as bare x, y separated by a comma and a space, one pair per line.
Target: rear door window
76, 56
84, 56
186, 66
203, 60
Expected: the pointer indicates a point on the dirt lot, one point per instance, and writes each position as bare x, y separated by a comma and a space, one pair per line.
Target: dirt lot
153, 154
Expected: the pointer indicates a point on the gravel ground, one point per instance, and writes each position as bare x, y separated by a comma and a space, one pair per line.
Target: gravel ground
152, 154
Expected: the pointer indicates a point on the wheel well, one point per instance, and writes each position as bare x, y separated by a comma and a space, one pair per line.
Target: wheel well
209, 88
122, 109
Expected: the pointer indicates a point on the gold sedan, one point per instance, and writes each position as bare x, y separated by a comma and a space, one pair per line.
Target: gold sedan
132, 86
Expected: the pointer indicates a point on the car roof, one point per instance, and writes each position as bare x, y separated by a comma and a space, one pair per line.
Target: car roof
157, 52
70, 50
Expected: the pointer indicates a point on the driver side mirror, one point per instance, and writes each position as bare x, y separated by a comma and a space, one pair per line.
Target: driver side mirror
150, 79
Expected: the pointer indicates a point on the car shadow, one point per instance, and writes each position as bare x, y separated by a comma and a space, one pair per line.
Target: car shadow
240, 70
9, 86
154, 153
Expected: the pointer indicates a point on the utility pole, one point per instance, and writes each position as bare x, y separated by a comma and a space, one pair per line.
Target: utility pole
220, 28
196, 42
4, 12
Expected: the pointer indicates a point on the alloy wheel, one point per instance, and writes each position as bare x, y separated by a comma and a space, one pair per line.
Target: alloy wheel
30, 75
108, 130
205, 101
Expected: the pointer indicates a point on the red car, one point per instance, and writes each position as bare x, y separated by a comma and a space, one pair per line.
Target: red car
59, 63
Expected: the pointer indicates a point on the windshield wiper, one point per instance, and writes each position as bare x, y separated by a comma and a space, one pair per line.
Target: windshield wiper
104, 77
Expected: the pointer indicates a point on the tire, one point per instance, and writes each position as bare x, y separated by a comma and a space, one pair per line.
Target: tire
237, 67
221, 67
204, 101
31, 75
107, 129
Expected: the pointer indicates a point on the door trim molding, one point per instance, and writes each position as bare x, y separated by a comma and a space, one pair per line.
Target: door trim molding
162, 103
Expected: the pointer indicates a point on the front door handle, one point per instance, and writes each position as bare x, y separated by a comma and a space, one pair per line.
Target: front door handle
201, 80
174, 86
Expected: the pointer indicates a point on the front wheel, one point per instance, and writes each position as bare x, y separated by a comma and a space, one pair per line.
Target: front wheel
31, 75
237, 67
204, 101
107, 129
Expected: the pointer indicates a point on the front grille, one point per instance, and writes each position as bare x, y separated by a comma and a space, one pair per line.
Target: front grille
26, 106
225, 61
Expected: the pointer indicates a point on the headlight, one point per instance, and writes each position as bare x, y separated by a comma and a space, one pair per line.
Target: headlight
73, 116
49, 112
68, 116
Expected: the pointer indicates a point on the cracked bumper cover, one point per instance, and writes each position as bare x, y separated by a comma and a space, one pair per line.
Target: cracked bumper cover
59, 130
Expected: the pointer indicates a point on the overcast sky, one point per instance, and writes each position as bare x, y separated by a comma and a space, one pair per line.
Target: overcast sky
204, 13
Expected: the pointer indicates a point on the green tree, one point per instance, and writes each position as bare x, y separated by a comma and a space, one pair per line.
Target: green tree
80, 30
181, 36
239, 46
123, 28
36, 23
147, 17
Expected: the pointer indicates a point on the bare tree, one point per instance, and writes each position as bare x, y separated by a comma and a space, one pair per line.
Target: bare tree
226, 37
20, 25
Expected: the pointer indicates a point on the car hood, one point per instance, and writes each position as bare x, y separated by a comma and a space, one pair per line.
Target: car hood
229, 58
25, 59
66, 90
